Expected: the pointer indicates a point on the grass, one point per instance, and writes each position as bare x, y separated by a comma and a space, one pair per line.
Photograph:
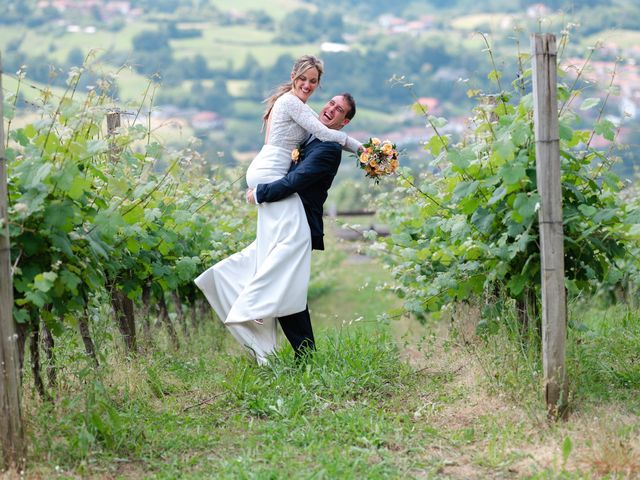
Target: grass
207, 410
379, 399
622, 38
56, 44
225, 46
31, 90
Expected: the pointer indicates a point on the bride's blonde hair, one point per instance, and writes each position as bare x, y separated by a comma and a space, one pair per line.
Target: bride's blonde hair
303, 64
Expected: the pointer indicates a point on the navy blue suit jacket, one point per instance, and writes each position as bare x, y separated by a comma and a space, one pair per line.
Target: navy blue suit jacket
311, 178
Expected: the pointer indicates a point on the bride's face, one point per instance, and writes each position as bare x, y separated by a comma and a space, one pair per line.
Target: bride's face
306, 83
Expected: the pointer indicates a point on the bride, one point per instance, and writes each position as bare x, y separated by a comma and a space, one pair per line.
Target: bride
269, 278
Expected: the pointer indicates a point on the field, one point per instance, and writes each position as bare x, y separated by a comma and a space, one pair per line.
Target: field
624, 38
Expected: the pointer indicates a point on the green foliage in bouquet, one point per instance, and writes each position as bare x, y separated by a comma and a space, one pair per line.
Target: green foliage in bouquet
471, 228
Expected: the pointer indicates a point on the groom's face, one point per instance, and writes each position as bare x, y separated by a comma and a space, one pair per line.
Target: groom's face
334, 113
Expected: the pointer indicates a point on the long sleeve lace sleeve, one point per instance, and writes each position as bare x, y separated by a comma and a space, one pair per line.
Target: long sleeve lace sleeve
304, 116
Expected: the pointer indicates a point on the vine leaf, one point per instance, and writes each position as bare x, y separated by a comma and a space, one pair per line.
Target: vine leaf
589, 103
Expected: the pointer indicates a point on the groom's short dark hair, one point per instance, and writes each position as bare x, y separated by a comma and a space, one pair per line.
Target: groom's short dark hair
352, 105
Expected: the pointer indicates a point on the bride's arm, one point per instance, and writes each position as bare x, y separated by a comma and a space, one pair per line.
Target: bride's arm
302, 114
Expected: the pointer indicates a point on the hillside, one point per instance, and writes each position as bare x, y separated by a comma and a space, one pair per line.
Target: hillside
224, 57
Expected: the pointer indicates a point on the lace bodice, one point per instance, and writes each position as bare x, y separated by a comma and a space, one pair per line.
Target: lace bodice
291, 121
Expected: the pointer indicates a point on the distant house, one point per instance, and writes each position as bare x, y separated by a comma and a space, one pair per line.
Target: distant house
537, 10
334, 47
207, 120
106, 9
122, 8
432, 105
63, 5
393, 24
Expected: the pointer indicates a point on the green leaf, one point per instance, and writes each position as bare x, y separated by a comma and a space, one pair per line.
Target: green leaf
589, 103
521, 133
78, 187
567, 448
587, 210
164, 248
95, 147
460, 158
513, 173
64, 177
437, 122
436, 144
132, 245
498, 194
135, 215
516, 284
60, 215
527, 205
70, 280
483, 219
606, 129
19, 137
605, 215
98, 246
36, 174
465, 189
62, 242
579, 136
612, 180
494, 76
403, 238
108, 222
469, 204
44, 281
30, 131
35, 297
566, 132
186, 268
505, 149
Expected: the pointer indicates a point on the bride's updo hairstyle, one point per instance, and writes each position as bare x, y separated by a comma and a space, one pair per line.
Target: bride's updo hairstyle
303, 64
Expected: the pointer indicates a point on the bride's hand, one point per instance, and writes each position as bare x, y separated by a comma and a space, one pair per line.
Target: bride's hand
249, 196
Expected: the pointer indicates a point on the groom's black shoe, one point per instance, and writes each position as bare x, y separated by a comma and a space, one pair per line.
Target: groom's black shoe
297, 329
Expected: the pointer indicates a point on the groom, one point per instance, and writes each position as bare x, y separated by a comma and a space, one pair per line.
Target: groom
310, 177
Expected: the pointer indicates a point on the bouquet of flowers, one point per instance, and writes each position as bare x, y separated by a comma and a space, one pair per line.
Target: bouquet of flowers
378, 158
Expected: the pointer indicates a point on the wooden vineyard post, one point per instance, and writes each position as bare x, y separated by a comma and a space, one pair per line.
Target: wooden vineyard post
554, 314
11, 433
123, 306
113, 123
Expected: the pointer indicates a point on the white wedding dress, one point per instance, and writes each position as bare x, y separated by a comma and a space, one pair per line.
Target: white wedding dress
269, 278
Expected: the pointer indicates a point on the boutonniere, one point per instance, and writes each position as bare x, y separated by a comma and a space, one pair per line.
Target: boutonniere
296, 154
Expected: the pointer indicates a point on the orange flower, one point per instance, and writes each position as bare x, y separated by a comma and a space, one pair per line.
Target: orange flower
387, 148
295, 155
364, 157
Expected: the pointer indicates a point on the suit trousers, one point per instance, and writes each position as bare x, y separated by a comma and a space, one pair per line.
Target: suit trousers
297, 329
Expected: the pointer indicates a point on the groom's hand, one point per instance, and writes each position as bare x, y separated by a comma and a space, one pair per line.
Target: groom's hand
250, 196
